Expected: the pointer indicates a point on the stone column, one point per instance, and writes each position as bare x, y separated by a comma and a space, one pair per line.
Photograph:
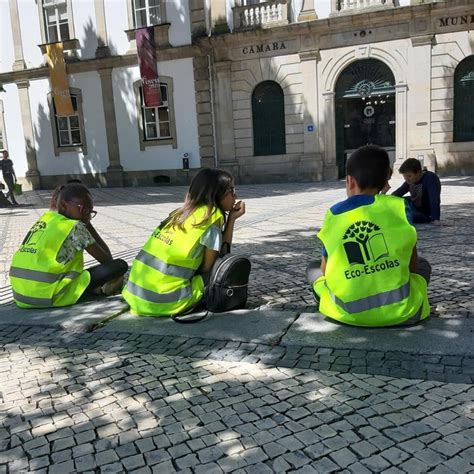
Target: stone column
401, 122
329, 135
202, 85
219, 17
223, 118
102, 46
419, 101
32, 175
307, 13
115, 169
198, 18
311, 159
19, 62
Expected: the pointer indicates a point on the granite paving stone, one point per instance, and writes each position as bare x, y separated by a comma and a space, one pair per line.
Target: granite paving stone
274, 388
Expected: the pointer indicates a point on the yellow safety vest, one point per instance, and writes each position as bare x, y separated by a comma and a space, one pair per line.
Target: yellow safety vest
367, 280
38, 280
162, 280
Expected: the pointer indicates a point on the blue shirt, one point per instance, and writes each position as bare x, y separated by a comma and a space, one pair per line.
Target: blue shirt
425, 194
359, 200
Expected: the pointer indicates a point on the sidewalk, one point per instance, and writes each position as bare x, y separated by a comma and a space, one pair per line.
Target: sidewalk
275, 388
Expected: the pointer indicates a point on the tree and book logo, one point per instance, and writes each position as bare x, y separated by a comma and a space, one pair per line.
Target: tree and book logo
35, 233
364, 243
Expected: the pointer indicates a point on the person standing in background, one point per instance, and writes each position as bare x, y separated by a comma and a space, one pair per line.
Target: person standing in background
9, 176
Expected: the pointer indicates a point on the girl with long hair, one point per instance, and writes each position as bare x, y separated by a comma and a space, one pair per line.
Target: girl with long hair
169, 274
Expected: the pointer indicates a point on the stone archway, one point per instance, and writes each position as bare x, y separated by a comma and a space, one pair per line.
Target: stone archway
364, 109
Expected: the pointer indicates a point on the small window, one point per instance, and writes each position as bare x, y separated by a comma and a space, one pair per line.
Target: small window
68, 128
156, 125
68, 131
463, 100
56, 20
147, 13
156, 120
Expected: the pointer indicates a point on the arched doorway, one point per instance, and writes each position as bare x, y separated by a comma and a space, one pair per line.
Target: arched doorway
365, 109
268, 115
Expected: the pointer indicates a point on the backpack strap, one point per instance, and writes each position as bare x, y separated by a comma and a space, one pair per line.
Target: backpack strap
178, 318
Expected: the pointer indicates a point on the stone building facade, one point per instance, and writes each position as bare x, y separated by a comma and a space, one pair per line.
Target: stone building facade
278, 90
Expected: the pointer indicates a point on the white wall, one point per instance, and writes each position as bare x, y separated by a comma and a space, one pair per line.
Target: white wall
157, 157
7, 55
177, 12
30, 32
116, 19
85, 27
14, 128
70, 162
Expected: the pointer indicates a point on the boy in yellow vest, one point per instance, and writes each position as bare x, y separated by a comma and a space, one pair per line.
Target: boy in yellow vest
48, 268
370, 274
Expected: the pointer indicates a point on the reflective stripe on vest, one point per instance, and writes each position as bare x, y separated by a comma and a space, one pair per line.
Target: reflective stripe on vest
31, 300
163, 267
153, 297
42, 277
373, 301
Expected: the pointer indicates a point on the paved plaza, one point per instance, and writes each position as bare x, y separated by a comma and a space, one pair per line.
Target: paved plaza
274, 388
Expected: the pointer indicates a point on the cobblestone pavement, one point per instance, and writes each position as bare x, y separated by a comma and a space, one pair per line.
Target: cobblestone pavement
120, 402
82, 402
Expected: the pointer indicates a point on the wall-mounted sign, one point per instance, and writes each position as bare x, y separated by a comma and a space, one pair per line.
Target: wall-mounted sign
266, 48
310, 128
369, 111
455, 20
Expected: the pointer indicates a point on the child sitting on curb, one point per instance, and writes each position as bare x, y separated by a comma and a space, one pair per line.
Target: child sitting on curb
370, 274
47, 270
425, 192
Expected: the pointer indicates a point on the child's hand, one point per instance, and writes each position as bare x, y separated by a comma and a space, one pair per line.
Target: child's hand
237, 211
385, 189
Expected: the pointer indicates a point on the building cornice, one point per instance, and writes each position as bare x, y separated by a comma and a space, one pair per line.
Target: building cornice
96, 64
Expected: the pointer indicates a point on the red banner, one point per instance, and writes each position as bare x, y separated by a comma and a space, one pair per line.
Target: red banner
146, 51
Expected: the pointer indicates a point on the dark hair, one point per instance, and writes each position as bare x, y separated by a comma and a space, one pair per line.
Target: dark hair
207, 188
73, 180
411, 165
73, 190
369, 165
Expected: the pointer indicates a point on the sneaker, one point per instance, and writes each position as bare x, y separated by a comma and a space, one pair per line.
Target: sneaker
113, 287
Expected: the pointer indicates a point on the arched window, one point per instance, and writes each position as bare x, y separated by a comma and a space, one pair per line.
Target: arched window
268, 113
463, 100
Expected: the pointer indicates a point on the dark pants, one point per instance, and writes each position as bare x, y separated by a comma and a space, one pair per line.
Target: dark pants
4, 202
417, 216
105, 272
10, 182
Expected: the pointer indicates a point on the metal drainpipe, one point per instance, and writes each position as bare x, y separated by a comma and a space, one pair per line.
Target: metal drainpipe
211, 87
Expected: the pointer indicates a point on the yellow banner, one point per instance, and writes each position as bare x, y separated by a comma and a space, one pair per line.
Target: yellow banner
59, 81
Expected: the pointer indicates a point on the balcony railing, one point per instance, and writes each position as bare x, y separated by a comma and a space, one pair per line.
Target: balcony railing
349, 6
261, 15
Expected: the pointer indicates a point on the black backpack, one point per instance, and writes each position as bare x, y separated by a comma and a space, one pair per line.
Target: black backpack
227, 288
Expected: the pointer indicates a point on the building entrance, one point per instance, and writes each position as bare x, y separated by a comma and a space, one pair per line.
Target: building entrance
365, 109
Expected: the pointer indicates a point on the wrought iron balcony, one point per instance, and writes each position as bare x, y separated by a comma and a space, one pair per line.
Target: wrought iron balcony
261, 15
351, 6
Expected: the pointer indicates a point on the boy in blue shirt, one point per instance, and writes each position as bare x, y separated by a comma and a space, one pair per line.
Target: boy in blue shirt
425, 192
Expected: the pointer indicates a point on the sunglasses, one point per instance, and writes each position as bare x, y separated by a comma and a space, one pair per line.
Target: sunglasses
83, 209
